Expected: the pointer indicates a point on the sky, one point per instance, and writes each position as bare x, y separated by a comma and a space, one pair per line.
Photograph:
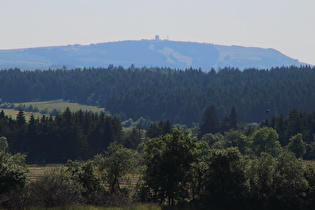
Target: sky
285, 25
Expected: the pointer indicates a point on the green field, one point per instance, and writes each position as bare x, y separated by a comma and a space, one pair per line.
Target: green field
60, 105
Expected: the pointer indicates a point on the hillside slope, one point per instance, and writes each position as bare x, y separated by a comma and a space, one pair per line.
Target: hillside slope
150, 53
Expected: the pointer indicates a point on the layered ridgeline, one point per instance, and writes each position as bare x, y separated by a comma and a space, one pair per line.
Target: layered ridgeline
163, 93
150, 53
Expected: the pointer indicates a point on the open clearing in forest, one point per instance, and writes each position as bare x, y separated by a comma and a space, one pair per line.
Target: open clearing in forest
60, 105
35, 172
12, 113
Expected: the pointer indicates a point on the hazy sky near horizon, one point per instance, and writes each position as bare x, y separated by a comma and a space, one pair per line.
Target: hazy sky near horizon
285, 25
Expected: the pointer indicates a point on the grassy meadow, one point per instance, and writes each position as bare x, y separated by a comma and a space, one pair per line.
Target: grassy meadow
60, 105
12, 113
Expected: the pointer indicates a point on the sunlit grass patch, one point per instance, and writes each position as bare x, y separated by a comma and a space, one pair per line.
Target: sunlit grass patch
60, 105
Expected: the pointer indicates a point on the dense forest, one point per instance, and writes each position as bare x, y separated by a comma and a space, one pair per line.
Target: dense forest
297, 122
251, 172
163, 93
81, 135
68, 135
221, 162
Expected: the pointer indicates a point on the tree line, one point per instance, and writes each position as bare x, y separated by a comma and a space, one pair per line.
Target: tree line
296, 123
68, 135
81, 135
295, 133
168, 94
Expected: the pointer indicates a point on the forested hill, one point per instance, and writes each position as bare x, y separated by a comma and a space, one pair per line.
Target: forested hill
148, 53
163, 93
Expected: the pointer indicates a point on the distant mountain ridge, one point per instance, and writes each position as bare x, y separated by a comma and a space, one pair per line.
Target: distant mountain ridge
150, 53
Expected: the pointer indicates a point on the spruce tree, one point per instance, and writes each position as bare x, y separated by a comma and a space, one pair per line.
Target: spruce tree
209, 122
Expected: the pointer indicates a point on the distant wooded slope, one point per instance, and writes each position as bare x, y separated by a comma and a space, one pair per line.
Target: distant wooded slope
150, 53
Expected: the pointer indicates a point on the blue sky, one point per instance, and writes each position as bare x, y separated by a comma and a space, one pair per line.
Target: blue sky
285, 25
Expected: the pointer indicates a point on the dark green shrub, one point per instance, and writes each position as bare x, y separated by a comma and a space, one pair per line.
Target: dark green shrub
12, 177
55, 188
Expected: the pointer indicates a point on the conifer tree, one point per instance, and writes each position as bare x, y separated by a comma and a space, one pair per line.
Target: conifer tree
209, 122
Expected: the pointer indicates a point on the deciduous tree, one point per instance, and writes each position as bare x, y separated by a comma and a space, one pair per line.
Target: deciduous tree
115, 163
168, 161
265, 140
297, 145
